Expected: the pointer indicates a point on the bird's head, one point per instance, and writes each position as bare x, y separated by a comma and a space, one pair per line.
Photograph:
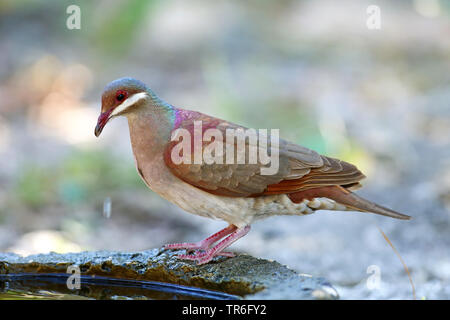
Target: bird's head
121, 96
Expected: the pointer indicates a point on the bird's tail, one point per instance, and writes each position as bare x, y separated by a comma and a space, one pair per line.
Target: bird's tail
350, 200
354, 201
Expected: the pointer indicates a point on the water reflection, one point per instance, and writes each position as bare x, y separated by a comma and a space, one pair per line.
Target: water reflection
53, 286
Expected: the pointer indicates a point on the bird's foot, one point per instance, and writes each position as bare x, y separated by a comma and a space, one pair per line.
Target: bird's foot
187, 245
204, 244
205, 256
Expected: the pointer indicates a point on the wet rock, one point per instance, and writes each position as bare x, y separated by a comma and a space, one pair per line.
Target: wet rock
244, 276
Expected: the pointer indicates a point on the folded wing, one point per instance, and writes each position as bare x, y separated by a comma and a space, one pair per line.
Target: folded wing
299, 168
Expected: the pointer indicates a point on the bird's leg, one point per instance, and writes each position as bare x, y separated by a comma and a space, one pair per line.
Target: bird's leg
204, 244
207, 255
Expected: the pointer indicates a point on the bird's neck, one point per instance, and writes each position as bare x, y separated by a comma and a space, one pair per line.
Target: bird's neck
150, 128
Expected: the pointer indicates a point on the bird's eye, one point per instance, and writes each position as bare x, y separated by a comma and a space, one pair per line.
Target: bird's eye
121, 95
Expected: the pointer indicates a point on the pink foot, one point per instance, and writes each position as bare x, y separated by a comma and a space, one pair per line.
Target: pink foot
199, 254
207, 255
204, 244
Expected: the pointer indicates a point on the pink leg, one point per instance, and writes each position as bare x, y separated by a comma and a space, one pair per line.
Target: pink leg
208, 254
204, 244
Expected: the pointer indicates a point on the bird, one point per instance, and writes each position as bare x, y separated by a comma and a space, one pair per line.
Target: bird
238, 193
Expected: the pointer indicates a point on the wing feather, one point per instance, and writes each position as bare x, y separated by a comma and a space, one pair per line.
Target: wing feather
299, 169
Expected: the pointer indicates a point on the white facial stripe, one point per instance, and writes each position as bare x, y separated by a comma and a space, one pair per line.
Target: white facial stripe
128, 103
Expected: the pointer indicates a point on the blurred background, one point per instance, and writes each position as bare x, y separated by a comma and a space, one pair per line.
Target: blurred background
377, 98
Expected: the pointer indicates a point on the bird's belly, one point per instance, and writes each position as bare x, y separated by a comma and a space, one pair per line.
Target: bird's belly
239, 211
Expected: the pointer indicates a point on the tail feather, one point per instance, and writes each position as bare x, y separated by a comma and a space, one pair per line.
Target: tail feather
356, 202
349, 199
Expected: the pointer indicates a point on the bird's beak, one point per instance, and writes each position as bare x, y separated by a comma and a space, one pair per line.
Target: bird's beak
101, 122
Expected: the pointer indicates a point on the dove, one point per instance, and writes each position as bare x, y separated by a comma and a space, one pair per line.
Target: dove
179, 155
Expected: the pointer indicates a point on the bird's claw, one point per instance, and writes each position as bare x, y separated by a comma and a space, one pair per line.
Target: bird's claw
203, 252
203, 257
186, 245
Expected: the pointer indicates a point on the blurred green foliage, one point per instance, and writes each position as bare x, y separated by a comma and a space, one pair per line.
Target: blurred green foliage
82, 176
35, 186
126, 18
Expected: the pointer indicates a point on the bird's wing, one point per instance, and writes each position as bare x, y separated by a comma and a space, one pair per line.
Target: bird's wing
299, 168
